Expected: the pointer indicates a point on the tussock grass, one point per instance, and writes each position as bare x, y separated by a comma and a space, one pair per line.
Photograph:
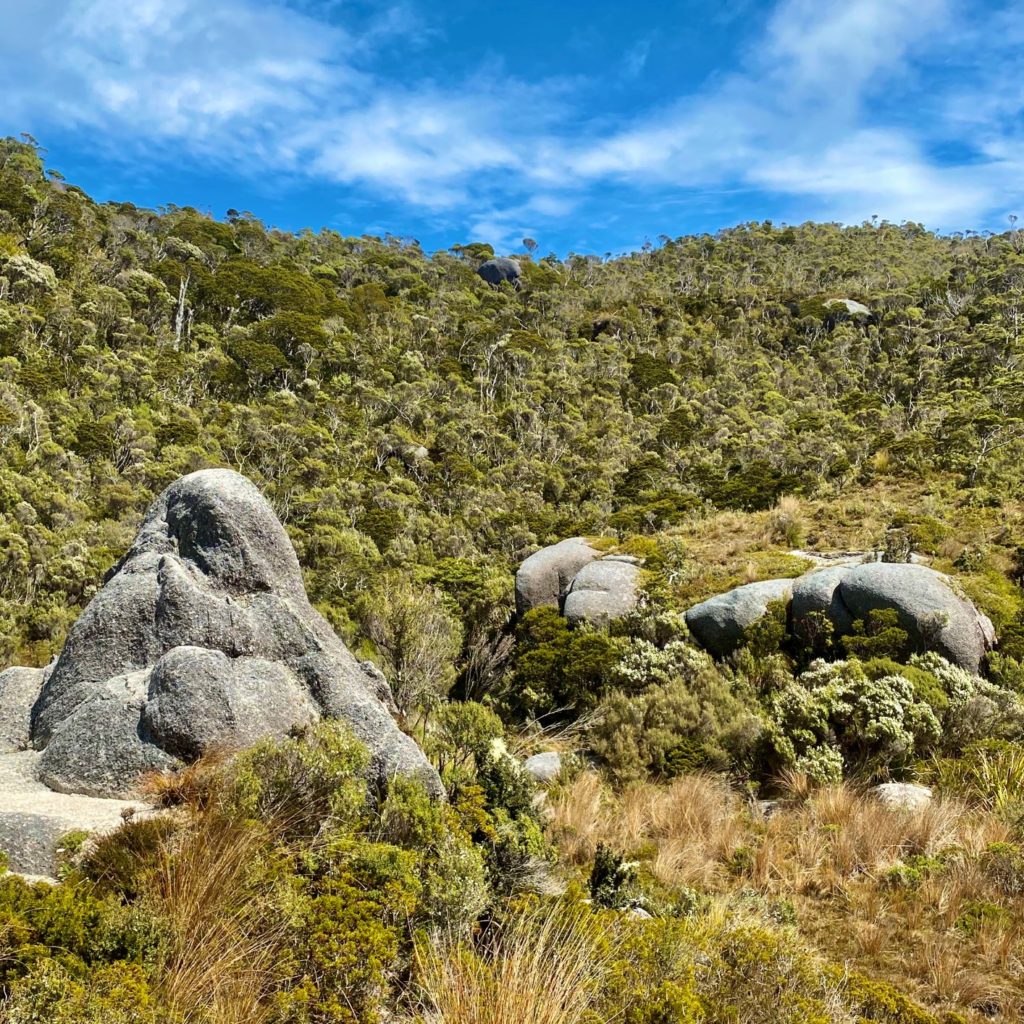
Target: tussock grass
909, 896
544, 966
221, 944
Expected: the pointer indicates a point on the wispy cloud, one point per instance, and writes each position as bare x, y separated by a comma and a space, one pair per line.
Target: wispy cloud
846, 107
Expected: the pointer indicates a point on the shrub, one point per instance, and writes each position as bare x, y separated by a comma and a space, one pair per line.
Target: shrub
305, 782
878, 724
878, 635
51, 993
559, 670
682, 724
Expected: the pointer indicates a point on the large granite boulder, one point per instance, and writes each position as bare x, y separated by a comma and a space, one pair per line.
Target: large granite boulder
718, 623
501, 269
820, 593
201, 636
603, 590
545, 577
19, 690
929, 609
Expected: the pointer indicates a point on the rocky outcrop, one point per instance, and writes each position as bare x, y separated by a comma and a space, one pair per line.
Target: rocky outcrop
718, 623
501, 269
852, 307
904, 796
603, 590
929, 609
19, 690
934, 615
202, 636
545, 577
818, 593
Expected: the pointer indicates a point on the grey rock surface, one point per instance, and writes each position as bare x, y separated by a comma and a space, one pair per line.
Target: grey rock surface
544, 767
19, 690
853, 308
602, 590
202, 634
545, 577
33, 819
902, 795
718, 623
935, 616
819, 593
500, 269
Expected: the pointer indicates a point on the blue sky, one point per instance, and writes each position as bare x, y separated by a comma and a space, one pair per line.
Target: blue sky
590, 127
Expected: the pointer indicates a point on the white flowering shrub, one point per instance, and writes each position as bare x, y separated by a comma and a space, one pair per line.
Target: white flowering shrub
822, 764
877, 723
31, 272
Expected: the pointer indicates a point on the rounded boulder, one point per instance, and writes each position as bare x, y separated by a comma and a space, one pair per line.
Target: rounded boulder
718, 623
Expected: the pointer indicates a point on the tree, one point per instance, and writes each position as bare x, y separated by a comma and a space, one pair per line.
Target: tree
417, 637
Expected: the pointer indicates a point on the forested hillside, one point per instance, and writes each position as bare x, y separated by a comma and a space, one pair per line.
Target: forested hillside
400, 412
717, 409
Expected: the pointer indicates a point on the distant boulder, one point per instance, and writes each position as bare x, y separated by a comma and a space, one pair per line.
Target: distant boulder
544, 767
903, 796
201, 636
818, 593
603, 590
852, 307
718, 623
929, 609
545, 577
501, 269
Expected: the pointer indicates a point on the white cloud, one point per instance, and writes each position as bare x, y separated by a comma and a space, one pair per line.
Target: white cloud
816, 110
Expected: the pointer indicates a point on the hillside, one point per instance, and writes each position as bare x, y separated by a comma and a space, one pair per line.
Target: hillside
715, 411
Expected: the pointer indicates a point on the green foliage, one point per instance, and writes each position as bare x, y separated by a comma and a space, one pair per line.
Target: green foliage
558, 669
612, 879
765, 636
674, 712
878, 635
837, 711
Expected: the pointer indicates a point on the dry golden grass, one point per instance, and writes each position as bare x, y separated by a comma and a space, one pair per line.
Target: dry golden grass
543, 967
830, 853
222, 946
692, 825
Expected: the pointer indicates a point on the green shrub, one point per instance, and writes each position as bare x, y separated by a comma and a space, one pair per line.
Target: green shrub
559, 670
674, 711
878, 635
51, 993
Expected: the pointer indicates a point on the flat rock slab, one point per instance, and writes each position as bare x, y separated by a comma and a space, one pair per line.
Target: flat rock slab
33, 819
906, 796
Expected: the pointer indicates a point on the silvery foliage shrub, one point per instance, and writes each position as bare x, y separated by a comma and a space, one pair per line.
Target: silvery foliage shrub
823, 764
835, 707
673, 711
645, 664
31, 272
978, 708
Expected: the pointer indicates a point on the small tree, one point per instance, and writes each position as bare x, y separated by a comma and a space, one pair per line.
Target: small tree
418, 638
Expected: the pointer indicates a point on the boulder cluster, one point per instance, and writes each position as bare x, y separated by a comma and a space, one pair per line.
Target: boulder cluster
581, 582
202, 636
929, 608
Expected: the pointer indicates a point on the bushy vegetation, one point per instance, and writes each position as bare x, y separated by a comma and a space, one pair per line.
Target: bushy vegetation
699, 406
